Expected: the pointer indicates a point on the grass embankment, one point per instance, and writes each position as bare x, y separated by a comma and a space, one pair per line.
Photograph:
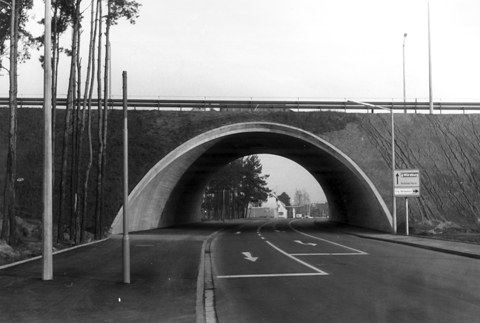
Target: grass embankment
445, 148
446, 151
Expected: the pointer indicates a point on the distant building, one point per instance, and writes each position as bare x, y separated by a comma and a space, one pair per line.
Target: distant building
313, 210
281, 209
319, 210
260, 212
276, 209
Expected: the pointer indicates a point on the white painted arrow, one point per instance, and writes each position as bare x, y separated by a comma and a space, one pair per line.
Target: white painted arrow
248, 256
305, 244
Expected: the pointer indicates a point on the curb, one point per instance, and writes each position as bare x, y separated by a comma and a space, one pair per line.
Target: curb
411, 244
415, 245
199, 308
205, 305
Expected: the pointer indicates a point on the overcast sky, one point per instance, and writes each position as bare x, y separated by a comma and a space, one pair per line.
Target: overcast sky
280, 49
289, 49
287, 176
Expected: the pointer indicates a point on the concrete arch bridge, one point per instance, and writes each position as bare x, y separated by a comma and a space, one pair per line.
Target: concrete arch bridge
171, 192
174, 155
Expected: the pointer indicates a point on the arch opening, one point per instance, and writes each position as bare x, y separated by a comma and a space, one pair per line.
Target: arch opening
172, 191
287, 176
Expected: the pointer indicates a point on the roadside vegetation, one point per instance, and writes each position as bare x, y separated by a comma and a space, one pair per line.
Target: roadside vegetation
79, 140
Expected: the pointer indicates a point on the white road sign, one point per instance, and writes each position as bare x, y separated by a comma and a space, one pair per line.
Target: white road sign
407, 192
407, 178
406, 182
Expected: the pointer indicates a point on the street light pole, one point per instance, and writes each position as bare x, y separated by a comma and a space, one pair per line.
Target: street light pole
404, 87
126, 238
394, 201
430, 95
47, 153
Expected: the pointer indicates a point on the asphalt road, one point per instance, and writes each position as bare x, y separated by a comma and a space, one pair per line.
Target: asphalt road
296, 271
87, 284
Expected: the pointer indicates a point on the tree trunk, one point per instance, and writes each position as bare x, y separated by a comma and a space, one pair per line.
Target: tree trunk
66, 138
89, 81
98, 205
55, 62
9, 223
75, 107
105, 105
80, 125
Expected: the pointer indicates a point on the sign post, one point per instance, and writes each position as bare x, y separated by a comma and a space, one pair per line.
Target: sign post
126, 238
406, 214
406, 184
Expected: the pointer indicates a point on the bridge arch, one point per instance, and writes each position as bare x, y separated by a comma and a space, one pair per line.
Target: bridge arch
171, 192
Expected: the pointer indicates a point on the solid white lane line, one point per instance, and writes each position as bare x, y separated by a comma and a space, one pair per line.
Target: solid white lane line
330, 254
273, 275
334, 243
298, 260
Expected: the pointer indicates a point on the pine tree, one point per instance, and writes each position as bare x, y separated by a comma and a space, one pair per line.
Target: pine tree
235, 186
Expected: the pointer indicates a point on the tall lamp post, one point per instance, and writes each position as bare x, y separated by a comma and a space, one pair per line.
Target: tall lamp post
430, 91
404, 87
394, 201
48, 149
126, 238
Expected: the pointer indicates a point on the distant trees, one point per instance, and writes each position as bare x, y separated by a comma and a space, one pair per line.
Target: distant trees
235, 186
284, 198
301, 197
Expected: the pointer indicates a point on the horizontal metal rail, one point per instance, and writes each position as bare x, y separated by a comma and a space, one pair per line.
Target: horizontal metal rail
264, 105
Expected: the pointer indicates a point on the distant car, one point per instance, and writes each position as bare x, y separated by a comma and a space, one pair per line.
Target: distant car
298, 215
308, 216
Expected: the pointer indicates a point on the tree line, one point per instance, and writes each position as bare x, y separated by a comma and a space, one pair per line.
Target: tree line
234, 187
82, 143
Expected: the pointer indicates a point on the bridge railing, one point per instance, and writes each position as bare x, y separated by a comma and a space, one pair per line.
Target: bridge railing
268, 105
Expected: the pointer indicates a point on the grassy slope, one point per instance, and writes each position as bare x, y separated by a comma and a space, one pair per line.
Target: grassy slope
444, 148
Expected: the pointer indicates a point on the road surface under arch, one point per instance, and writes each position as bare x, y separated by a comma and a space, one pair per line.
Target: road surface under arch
171, 192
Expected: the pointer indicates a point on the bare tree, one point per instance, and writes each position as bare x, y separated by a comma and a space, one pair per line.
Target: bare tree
87, 101
301, 197
17, 19
8, 230
68, 128
116, 9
